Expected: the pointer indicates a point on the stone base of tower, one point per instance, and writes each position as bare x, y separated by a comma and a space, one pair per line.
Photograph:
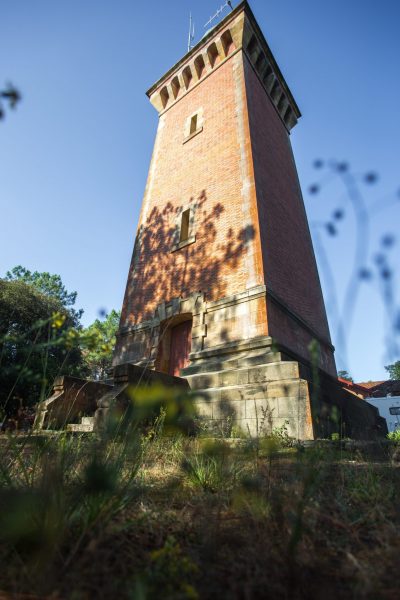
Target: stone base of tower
256, 388
239, 375
249, 384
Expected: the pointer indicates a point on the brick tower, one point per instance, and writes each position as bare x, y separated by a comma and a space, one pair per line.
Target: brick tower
223, 287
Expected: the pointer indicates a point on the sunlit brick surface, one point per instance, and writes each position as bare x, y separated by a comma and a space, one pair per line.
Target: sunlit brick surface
206, 173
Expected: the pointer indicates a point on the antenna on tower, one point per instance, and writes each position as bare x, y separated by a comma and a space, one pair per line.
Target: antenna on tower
191, 33
219, 12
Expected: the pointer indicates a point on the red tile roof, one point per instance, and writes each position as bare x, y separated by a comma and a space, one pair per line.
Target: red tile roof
370, 384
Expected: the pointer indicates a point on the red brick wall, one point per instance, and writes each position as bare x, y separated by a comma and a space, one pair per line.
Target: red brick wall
289, 262
206, 170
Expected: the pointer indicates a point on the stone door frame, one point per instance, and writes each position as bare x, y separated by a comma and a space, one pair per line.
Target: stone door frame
168, 314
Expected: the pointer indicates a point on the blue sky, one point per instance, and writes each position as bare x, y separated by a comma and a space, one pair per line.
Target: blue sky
74, 155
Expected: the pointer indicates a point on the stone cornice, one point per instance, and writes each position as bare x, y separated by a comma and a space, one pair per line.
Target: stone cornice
198, 47
239, 30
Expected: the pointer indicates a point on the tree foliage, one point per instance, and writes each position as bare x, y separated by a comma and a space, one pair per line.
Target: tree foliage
41, 337
345, 375
394, 370
98, 356
47, 284
38, 341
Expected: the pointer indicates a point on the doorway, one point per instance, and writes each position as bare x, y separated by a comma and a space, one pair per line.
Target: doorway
181, 343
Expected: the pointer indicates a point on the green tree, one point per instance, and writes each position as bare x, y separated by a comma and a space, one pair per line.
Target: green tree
394, 370
39, 337
47, 284
345, 375
99, 352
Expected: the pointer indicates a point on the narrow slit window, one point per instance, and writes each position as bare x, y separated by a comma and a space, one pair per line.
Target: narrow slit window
187, 77
164, 96
213, 55
200, 66
185, 222
176, 86
193, 124
227, 42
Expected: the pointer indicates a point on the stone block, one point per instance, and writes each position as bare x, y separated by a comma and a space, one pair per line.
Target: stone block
260, 359
227, 378
203, 381
273, 372
258, 405
234, 394
80, 428
227, 408
208, 396
286, 387
203, 408
242, 376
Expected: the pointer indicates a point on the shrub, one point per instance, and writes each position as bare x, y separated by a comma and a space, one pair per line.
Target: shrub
394, 435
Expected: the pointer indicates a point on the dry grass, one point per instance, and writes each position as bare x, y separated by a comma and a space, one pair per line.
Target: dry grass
212, 521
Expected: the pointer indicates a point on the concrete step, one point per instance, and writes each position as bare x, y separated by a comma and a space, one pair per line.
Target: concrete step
264, 373
85, 426
284, 387
79, 428
263, 359
209, 366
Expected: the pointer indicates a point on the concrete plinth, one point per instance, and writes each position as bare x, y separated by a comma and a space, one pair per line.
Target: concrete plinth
257, 389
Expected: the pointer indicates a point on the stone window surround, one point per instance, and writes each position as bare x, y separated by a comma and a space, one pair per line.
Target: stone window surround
180, 245
192, 234
199, 113
192, 135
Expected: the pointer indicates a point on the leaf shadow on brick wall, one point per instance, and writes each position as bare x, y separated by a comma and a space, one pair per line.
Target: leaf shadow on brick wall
159, 274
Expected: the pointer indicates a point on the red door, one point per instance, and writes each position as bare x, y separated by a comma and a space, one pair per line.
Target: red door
181, 342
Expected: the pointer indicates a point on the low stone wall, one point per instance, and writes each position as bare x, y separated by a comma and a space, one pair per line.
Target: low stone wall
337, 411
80, 405
71, 399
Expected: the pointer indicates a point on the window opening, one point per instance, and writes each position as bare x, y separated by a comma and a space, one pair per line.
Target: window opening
164, 96
287, 116
227, 42
268, 77
176, 86
187, 76
199, 66
252, 45
281, 102
276, 91
193, 124
213, 55
184, 235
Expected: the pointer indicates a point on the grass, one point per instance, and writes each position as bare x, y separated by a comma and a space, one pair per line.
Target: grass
151, 513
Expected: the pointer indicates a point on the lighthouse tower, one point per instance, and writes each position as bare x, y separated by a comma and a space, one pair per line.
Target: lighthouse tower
223, 287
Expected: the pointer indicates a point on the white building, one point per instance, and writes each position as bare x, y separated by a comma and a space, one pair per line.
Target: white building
389, 409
